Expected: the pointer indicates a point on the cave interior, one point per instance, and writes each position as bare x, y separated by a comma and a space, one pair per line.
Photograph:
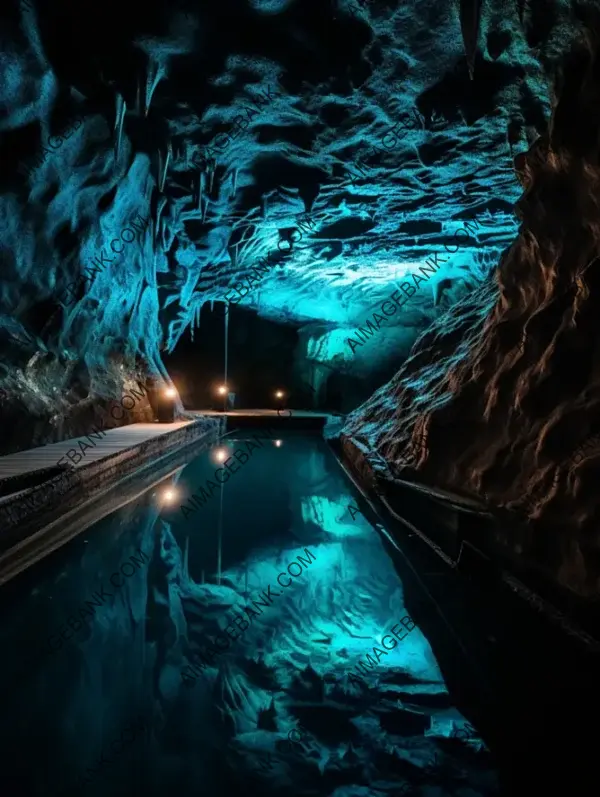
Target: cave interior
381, 214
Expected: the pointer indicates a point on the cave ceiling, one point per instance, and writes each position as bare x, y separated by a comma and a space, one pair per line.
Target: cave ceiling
311, 91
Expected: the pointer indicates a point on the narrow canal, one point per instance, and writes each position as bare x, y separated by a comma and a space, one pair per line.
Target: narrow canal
257, 641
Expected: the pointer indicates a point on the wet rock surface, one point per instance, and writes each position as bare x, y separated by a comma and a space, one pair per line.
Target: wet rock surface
153, 166
498, 398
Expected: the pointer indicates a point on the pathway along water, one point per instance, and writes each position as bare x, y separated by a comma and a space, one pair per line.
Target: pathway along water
290, 668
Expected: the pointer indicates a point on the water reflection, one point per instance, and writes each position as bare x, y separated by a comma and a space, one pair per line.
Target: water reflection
290, 669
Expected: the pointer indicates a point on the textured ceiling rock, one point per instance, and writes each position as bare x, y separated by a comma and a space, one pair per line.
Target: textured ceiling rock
157, 91
500, 396
387, 125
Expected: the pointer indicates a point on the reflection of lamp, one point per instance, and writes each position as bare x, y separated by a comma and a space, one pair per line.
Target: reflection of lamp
220, 454
168, 496
170, 392
278, 443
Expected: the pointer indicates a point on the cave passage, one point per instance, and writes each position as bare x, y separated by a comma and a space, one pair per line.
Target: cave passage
368, 230
99, 638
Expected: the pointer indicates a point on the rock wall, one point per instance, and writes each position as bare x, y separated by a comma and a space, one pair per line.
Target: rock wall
500, 396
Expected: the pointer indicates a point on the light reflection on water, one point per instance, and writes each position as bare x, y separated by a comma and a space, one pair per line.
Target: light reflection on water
290, 665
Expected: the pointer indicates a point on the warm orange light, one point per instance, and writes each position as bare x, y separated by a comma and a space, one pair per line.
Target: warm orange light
220, 454
279, 394
169, 496
222, 390
170, 392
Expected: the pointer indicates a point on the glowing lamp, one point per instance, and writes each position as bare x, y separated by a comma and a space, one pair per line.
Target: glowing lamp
278, 443
169, 496
222, 390
279, 394
170, 392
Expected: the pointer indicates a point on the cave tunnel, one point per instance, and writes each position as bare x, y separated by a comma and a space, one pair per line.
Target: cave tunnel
300, 438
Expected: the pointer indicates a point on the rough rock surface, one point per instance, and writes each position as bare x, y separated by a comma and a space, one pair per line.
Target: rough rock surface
150, 167
274, 712
500, 397
134, 122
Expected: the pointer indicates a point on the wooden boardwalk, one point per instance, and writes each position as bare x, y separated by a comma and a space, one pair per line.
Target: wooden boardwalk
263, 413
36, 511
113, 441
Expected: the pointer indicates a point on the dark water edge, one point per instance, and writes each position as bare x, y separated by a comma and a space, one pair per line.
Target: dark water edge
97, 637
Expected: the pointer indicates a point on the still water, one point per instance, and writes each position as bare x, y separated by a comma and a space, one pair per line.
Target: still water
259, 643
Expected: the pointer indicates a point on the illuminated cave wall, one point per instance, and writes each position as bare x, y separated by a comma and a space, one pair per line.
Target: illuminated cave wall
499, 399
214, 138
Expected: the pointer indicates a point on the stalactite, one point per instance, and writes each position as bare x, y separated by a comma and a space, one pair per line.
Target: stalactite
138, 97
162, 201
121, 108
156, 72
165, 235
159, 168
470, 15
163, 175
153, 232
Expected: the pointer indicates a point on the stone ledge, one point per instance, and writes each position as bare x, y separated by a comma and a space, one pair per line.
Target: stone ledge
70, 490
369, 465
